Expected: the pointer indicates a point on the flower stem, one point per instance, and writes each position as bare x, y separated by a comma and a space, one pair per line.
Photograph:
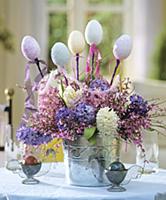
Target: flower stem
38, 66
115, 69
77, 66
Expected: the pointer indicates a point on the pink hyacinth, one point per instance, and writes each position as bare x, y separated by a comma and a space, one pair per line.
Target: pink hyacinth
48, 103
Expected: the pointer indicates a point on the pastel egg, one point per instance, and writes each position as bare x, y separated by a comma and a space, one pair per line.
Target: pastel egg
122, 47
93, 32
60, 54
76, 42
30, 48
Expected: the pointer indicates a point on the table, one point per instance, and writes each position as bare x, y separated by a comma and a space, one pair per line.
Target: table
53, 187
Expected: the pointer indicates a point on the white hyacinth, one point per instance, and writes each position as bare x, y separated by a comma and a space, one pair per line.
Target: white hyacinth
107, 121
70, 96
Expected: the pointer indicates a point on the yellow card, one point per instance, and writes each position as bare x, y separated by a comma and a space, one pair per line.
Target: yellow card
52, 152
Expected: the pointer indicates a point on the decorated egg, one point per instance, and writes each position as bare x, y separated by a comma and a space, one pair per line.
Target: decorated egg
76, 42
30, 160
93, 32
116, 166
30, 48
122, 47
60, 54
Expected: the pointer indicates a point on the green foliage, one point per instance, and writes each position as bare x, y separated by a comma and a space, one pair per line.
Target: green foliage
159, 69
89, 132
92, 140
90, 135
57, 30
6, 37
105, 1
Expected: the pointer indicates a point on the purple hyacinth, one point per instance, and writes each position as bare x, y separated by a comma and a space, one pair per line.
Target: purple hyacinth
31, 137
138, 105
85, 113
134, 119
99, 84
64, 118
67, 123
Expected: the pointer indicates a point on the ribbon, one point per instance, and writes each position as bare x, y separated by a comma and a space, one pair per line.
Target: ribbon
63, 72
30, 88
98, 63
93, 53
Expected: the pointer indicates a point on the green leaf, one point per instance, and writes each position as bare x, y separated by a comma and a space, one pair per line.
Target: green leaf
92, 140
62, 88
89, 132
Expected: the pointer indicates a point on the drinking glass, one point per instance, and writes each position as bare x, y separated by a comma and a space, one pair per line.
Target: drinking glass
149, 159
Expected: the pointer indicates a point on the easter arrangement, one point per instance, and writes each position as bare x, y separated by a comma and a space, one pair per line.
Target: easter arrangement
86, 113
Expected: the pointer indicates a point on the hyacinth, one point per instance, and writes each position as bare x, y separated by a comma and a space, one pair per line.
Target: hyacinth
135, 119
138, 105
67, 124
111, 98
107, 121
49, 101
31, 137
96, 99
85, 114
130, 129
43, 123
99, 84
44, 120
71, 96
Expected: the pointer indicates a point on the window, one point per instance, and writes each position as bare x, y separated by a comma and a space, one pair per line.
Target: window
108, 12
57, 16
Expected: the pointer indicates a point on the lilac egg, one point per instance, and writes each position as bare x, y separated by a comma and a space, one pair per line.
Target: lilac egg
122, 47
30, 48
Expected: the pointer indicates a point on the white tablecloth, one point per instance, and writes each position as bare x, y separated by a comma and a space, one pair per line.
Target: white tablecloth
53, 186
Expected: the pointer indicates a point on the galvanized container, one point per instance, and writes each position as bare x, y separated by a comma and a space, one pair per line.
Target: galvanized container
85, 163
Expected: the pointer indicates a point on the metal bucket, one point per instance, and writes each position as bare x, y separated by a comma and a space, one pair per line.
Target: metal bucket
85, 163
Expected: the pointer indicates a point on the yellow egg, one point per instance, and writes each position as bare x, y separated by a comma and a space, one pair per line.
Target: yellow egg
76, 42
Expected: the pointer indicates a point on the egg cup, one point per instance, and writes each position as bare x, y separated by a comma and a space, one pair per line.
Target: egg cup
30, 171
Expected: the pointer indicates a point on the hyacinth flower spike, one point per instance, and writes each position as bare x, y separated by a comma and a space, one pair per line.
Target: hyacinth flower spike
60, 56
93, 36
76, 44
121, 50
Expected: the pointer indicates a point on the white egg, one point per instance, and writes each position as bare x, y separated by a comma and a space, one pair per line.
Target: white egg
76, 42
60, 54
122, 47
30, 48
93, 32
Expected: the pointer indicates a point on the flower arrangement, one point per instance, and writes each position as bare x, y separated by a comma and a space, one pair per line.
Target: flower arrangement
86, 104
